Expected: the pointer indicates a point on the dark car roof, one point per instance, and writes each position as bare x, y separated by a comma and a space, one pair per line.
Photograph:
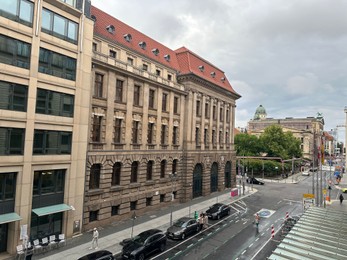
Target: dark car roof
185, 219
96, 255
150, 232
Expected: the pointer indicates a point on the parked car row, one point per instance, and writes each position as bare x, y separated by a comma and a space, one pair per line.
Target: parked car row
144, 244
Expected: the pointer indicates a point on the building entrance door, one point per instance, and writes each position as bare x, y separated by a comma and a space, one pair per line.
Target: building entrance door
197, 181
3, 237
214, 177
227, 175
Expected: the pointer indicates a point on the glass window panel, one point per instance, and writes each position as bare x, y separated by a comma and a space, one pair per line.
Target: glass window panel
48, 181
26, 11
36, 183
9, 6
72, 31
17, 141
47, 19
20, 94
59, 25
38, 142
10, 186
52, 142
3, 141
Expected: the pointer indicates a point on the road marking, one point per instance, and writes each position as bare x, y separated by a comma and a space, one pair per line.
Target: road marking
201, 239
224, 225
190, 245
178, 252
263, 233
237, 221
218, 229
257, 239
250, 245
243, 252
279, 202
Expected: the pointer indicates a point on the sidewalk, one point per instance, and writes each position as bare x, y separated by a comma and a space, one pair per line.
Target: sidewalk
111, 236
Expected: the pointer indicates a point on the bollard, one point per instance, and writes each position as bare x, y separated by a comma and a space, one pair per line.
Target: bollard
196, 215
287, 215
272, 231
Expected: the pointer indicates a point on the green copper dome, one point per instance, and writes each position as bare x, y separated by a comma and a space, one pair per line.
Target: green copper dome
260, 113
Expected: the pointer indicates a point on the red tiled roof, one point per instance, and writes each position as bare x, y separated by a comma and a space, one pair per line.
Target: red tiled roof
182, 60
189, 63
103, 20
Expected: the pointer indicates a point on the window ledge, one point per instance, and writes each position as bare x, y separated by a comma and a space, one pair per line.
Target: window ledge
150, 182
95, 192
116, 188
134, 185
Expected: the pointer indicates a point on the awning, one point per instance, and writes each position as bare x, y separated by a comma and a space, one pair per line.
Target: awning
51, 209
9, 217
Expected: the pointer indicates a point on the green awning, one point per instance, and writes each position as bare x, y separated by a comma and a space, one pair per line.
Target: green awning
9, 217
51, 209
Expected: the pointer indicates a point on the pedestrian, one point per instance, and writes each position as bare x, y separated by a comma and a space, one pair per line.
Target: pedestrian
201, 221
257, 220
341, 198
205, 220
95, 239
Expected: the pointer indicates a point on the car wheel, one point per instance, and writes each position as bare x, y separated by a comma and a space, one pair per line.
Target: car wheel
141, 257
162, 247
183, 236
218, 216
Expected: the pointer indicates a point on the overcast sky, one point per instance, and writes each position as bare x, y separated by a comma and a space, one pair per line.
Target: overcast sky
289, 56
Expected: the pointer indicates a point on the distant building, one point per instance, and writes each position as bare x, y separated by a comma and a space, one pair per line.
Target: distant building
308, 130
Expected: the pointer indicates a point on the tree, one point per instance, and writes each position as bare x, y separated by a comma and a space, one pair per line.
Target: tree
247, 145
276, 143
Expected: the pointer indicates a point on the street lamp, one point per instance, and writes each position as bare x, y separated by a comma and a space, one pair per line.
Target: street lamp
173, 178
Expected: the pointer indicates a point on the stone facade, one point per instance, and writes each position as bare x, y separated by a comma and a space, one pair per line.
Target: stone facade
156, 132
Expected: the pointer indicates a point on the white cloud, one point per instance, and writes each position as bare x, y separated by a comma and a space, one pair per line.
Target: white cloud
289, 56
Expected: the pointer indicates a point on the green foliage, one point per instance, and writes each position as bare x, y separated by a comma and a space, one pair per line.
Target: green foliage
273, 141
279, 144
247, 145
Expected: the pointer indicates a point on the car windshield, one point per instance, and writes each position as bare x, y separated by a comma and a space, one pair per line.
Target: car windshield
179, 223
141, 238
215, 207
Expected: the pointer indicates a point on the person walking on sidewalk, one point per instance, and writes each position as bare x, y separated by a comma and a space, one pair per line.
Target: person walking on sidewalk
341, 198
95, 239
201, 221
205, 221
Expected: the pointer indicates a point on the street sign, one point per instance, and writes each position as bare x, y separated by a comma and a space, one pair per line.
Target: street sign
308, 196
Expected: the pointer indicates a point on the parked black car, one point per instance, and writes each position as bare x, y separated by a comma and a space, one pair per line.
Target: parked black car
98, 255
182, 228
144, 244
255, 181
218, 210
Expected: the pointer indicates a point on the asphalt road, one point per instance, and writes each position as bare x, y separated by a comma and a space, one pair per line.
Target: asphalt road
235, 236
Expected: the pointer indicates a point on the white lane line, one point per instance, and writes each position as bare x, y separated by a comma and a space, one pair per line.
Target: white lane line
243, 252
178, 252
257, 239
250, 245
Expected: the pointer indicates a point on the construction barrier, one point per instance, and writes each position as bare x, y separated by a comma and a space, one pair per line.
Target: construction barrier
272, 231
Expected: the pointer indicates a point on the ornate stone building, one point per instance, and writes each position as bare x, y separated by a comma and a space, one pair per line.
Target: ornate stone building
309, 130
161, 125
45, 72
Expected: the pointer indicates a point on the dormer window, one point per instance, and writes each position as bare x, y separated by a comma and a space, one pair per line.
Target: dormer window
155, 51
127, 37
201, 68
111, 29
167, 57
213, 74
143, 45
222, 79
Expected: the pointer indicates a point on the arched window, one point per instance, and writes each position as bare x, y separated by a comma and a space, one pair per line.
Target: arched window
174, 166
134, 172
116, 171
94, 180
149, 174
162, 168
